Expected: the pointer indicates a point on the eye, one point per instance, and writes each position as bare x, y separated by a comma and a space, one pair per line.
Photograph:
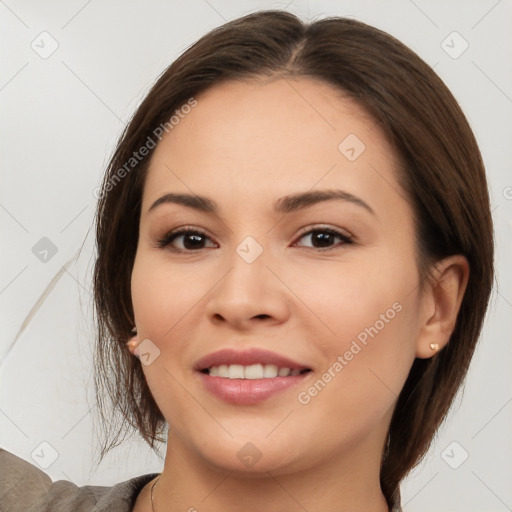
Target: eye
188, 240
324, 238
185, 240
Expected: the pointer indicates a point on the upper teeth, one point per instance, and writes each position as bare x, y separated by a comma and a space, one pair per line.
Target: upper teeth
254, 371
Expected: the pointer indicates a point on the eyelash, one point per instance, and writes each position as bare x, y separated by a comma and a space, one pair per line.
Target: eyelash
168, 238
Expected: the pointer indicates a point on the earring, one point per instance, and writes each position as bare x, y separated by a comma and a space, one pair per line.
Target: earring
434, 346
132, 344
133, 347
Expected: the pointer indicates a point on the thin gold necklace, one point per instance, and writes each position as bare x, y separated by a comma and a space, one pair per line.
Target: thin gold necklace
152, 488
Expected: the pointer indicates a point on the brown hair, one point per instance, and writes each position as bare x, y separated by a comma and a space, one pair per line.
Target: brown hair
442, 173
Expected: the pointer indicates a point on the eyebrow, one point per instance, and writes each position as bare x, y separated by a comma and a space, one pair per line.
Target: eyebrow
286, 204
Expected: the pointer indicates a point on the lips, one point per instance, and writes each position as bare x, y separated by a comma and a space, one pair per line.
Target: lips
248, 377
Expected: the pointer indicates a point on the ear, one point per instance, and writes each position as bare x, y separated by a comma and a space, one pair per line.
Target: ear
441, 303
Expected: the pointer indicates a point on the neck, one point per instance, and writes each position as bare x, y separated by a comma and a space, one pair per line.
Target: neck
341, 484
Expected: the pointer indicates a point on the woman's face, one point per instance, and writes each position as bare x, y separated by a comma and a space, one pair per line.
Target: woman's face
302, 249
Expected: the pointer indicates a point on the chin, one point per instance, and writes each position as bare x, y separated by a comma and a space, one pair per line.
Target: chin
251, 462
252, 455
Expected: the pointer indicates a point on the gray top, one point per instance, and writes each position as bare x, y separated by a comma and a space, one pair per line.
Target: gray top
25, 488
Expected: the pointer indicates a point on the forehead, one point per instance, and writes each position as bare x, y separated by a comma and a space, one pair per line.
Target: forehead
272, 136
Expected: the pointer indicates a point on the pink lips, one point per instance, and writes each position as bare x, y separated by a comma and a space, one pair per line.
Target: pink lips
247, 391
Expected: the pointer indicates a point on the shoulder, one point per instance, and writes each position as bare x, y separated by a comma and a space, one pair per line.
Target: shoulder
24, 487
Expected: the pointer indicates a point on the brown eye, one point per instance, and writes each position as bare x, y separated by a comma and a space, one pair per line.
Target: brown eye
324, 238
186, 241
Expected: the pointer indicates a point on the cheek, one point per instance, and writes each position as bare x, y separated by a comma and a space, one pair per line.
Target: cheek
163, 302
368, 322
367, 363
357, 297
163, 295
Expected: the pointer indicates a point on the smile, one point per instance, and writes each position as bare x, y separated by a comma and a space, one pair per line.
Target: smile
249, 376
252, 372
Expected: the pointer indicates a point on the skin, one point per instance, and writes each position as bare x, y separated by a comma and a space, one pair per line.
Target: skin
244, 146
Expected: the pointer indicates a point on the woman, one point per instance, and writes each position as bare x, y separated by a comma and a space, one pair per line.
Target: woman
295, 257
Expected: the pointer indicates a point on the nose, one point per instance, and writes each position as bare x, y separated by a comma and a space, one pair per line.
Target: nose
249, 295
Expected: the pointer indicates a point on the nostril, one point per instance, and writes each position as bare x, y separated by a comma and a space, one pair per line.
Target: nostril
262, 316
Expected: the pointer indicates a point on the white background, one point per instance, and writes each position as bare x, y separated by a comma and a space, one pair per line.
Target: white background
60, 118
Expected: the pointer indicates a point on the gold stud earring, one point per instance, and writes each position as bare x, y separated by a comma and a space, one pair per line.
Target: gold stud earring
434, 346
132, 343
133, 347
